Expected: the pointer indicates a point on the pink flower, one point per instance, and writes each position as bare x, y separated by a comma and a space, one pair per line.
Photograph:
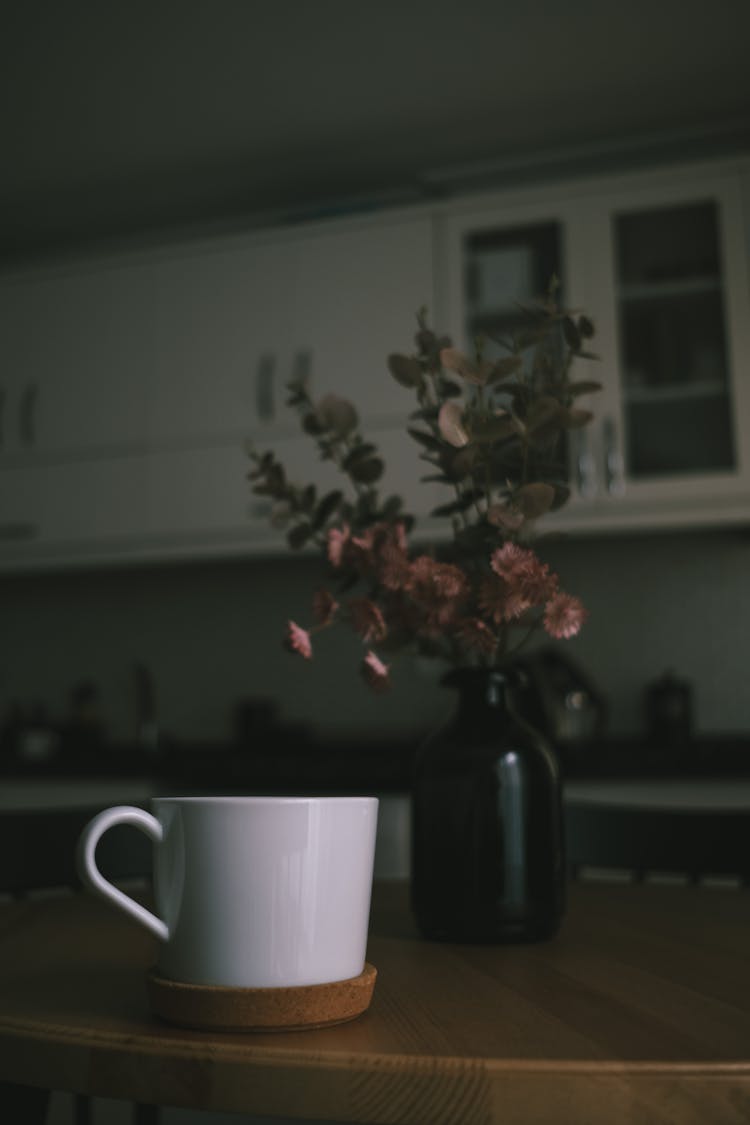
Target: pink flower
367, 619
366, 540
361, 550
521, 567
510, 561
528, 581
375, 673
563, 616
324, 607
398, 536
298, 640
392, 564
476, 634
432, 582
393, 568
337, 540
491, 597
438, 591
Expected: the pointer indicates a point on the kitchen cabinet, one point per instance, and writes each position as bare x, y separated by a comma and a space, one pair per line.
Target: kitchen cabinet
200, 501
73, 512
357, 293
76, 358
659, 262
237, 319
139, 379
222, 347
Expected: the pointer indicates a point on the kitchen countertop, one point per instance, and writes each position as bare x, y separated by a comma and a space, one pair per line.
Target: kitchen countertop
384, 764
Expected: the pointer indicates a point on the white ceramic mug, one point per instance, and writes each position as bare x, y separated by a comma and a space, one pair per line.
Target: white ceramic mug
251, 892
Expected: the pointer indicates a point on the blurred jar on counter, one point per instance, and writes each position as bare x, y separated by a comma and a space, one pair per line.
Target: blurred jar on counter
669, 710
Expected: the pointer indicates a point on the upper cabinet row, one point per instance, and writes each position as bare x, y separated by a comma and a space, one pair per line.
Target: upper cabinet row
198, 344
130, 385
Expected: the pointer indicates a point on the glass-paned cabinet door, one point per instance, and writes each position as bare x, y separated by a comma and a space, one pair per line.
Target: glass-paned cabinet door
497, 265
673, 341
667, 269
506, 269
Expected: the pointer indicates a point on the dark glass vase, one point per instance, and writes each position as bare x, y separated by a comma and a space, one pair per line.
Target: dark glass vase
488, 859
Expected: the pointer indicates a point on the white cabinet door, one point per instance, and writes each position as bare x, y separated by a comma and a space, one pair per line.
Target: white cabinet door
659, 262
667, 287
237, 320
357, 294
223, 341
76, 352
496, 262
74, 512
202, 502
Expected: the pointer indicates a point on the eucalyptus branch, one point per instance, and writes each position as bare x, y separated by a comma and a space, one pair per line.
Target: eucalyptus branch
490, 428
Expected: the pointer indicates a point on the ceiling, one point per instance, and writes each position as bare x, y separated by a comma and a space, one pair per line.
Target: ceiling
138, 115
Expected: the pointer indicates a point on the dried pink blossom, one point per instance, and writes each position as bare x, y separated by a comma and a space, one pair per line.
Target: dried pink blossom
399, 536
336, 541
386, 554
361, 552
394, 568
375, 672
298, 640
503, 601
366, 539
563, 616
529, 581
511, 561
476, 634
324, 606
516, 603
491, 598
438, 591
367, 619
431, 581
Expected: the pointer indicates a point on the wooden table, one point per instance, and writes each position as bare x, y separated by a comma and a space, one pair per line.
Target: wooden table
638, 1012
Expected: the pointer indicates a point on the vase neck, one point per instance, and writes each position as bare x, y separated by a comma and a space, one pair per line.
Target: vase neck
482, 693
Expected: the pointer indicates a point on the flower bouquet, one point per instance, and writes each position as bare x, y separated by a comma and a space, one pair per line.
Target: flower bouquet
491, 429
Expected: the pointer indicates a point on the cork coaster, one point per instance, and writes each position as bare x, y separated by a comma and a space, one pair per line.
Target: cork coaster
213, 1008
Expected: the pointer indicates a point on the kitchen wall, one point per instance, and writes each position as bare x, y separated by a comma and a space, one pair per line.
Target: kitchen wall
211, 635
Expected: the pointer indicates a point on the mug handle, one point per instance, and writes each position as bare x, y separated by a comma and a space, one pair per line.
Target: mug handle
91, 876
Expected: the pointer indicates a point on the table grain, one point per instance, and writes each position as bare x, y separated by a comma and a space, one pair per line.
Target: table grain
638, 1012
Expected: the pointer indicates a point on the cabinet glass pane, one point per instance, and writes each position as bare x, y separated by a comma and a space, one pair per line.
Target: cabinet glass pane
673, 341
506, 269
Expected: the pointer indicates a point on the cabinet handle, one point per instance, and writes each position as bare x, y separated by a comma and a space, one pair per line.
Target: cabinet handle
264, 388
614, 469
27, 414
585, 469
3, 398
